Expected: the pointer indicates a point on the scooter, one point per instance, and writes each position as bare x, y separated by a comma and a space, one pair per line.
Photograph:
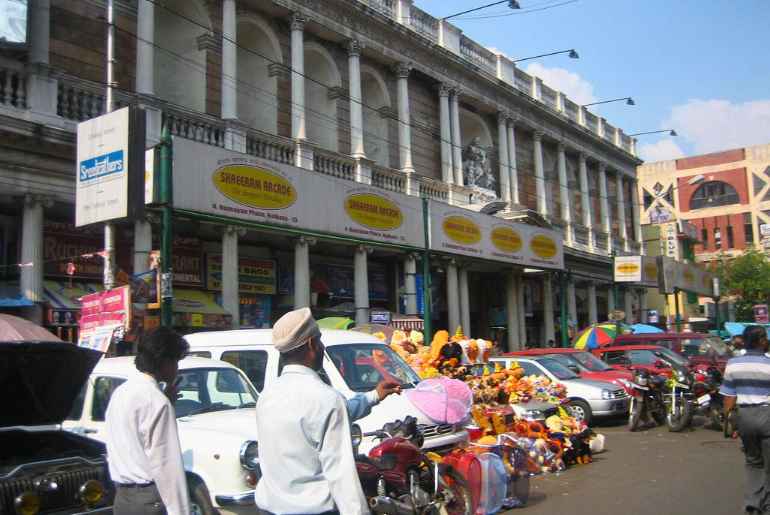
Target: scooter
708, 399
679, 400
399, 479
646, 392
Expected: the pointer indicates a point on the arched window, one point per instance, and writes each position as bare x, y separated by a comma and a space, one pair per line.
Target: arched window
712, 194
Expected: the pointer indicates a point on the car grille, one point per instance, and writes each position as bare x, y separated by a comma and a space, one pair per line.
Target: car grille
64, 497
435, 431
618, 394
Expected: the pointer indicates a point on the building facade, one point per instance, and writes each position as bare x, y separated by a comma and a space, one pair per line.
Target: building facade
376, 93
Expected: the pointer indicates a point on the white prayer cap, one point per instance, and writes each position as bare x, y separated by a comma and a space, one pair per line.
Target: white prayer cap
294, 329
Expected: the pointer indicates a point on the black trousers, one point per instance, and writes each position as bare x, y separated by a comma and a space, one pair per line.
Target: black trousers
754, 428
265, 512
138, 501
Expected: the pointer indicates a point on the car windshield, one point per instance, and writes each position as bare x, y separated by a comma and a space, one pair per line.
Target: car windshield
711, 346
363, 365
557, 369
589, 362
203, 390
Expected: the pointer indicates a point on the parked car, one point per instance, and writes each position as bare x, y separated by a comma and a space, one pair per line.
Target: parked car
587, 398
653, 358
355, 362
703, 350
42, 468
217, 424
583, 363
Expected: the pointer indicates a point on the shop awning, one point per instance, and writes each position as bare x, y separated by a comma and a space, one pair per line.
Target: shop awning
11, 296
63, 295
194, 308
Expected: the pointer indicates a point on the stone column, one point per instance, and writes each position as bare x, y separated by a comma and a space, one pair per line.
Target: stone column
453, 296
502, 147
512, 312
145, 51
549, 328
447, 174
593, 312
41, 88
302, 272
610, 300
32, 249
514, 177
356, 107
404, 127
298, 128
230, 296
604, 206
621, 210
142, 245
572, 302
635, 213
522, 311
628, 300
361, 284
410, 286
564, 192
542, 203
229, 62
585, 198
643, 306
457, 145
465, 305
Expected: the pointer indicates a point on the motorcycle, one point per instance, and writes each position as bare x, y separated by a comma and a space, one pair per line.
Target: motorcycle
646, 392
398, 478
679, 400
708, 398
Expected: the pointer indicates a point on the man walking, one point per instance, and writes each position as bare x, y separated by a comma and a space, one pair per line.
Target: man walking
143, 451
747, 384
303, 430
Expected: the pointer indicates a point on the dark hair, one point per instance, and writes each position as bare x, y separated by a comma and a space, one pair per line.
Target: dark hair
752, 336
157, 346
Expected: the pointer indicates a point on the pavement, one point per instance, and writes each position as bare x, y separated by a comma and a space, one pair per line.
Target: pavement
652, 472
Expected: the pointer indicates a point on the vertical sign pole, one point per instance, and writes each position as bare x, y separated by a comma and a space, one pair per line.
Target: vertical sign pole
166, 274
426, 281
109, 228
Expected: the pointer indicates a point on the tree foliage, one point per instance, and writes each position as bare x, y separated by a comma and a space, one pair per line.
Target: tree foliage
746, 278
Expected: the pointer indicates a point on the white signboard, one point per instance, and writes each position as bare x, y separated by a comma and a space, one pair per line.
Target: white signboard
102, 168
458, 231
149, 176
637, 269
227, 183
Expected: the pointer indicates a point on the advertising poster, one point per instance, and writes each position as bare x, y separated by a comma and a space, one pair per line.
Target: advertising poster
254, 275
103, 314
637, 269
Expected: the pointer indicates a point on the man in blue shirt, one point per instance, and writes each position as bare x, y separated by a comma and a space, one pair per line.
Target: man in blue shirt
747, 384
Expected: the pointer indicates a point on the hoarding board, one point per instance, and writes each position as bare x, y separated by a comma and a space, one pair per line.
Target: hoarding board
254, 275
227, 183
459, 231
637, 269
686, 277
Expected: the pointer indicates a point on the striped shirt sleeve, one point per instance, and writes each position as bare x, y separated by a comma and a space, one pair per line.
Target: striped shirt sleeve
728, 384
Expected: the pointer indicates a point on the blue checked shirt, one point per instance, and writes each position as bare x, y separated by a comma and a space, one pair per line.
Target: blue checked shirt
747, 377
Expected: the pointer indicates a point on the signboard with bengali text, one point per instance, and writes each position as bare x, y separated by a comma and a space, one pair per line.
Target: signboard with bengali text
101, 315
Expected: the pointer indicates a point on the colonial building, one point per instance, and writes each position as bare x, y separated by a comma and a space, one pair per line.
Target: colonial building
375, 93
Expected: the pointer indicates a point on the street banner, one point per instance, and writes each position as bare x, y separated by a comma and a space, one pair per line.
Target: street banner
227, 183
687, 277
254, 275
459, 231
102, 314
641, 270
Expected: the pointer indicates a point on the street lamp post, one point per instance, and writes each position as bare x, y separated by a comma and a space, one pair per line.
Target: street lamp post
572, 55
671, 132
629, 101
513, 4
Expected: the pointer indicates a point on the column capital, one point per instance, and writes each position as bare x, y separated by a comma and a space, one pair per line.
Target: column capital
297, 21
513, 119
444, 90
364, 248
457, 91
402, 70
503, 115
306, 240
561, 147
602, 167
354, 47
236, 230
537, 135
33, 199
583, 157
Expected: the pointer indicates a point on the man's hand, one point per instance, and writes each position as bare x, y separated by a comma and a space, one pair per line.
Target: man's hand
386, 387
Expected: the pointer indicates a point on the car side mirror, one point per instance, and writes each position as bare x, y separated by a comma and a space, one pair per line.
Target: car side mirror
574, 368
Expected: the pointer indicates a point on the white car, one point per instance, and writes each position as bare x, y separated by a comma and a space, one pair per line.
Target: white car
354, 363
587, 398
217, 424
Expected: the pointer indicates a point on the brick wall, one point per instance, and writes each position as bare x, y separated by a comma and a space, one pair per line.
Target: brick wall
737, 178
715, 158
735, 221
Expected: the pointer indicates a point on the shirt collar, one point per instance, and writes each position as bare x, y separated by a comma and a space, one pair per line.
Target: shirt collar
300, 369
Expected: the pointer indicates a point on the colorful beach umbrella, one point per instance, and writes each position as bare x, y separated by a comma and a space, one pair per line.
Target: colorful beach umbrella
597, 335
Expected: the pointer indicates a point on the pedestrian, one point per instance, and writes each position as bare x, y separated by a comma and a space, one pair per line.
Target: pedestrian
303, 429
143, 452
747, 385
737, 345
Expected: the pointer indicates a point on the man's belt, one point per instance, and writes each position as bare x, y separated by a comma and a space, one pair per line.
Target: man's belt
135, 485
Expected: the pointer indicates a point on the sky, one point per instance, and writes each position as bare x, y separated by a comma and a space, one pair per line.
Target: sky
700, 67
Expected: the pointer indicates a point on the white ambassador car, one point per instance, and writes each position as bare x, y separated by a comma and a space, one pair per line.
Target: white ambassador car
217, 427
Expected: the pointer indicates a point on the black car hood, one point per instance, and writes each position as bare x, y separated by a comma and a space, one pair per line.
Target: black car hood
40, 380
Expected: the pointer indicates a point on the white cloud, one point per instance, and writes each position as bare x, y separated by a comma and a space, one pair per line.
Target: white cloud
712, 125
662, 150
571, 84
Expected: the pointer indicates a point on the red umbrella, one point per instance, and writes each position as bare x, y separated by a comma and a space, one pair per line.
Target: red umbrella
14, 329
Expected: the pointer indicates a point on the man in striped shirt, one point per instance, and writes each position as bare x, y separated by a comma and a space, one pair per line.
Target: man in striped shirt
747, 384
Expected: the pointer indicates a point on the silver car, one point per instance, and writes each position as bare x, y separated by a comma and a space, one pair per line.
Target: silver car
588, 398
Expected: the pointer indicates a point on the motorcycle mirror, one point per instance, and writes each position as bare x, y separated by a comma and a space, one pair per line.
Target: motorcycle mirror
356, 436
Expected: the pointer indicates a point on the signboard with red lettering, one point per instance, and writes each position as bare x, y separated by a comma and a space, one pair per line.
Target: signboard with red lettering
760, 314
102, 314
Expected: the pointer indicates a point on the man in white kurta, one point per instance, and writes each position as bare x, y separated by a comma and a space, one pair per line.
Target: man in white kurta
305, 449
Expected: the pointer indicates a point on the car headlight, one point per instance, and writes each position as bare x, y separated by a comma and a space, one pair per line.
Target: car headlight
249, 455
91, 492
27, 503
606, 394
356, 436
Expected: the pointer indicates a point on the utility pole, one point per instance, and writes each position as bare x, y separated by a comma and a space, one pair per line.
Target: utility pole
109, 227
426, 282
166, 273
563, 309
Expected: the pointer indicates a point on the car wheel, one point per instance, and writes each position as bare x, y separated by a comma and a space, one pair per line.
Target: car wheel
200, 499
580, 410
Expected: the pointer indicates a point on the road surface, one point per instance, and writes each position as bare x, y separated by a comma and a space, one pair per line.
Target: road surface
652, 472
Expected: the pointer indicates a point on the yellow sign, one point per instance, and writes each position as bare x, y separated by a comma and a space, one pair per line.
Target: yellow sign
627, 268
543, 246
196, 319
255, 187
374, 211
651, 271
506, 239
462, 230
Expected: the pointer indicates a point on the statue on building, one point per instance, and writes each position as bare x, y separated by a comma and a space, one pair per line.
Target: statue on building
476, 167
